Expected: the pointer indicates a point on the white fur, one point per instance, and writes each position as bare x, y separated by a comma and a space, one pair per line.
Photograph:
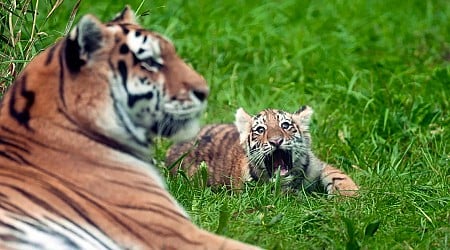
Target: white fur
243, 122
55, 234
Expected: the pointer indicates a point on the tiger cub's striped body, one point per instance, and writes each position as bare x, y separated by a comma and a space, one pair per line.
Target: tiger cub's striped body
256, 148
75, 132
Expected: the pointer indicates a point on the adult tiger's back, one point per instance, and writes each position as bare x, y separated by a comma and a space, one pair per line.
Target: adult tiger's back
75, 128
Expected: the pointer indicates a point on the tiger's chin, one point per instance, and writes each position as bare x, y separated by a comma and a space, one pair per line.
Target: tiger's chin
186, 132
180, 124
177, 130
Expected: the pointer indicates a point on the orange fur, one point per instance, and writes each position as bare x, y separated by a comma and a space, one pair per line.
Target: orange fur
74, 138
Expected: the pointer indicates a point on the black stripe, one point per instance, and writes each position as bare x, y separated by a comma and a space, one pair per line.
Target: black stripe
228, 140
120, 17
112, 215
51, 52
4, 154
19, 157
105, 140
122, 67
14, 208
72, 55
124, 49
31, 139
136, 61
124, 28
61, 79
22, 116
7, 142
132, 99
306, 164
35, 199
10, 227
208, 131
337, 179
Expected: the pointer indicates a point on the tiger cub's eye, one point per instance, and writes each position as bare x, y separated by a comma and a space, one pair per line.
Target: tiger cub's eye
285, 125
259, 129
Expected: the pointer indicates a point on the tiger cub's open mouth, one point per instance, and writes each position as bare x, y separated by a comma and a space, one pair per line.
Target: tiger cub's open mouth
279, 159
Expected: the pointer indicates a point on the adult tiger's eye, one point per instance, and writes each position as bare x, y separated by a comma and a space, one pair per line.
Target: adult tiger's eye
153, 63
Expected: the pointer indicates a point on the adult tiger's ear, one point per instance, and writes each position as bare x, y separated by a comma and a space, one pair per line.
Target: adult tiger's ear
125, 16
243, 122
303, 117
83, 41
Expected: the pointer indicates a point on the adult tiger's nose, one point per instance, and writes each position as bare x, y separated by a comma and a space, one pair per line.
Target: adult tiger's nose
183, 82
201, 94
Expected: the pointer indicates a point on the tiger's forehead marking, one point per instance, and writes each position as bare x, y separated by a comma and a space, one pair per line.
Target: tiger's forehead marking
144, 46
282, 116
270, 115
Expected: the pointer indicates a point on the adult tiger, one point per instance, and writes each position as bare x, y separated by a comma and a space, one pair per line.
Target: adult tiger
256, 148
75, 128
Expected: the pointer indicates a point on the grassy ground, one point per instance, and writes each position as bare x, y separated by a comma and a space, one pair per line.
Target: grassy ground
377, 74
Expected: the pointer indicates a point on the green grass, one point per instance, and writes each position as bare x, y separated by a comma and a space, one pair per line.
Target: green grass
377, 74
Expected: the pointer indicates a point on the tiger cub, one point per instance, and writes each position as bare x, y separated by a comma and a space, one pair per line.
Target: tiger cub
257, 148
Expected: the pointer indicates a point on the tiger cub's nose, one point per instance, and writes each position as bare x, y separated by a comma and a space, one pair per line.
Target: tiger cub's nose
276, 142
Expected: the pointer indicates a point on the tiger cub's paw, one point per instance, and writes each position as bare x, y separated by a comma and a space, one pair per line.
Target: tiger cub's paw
336, 182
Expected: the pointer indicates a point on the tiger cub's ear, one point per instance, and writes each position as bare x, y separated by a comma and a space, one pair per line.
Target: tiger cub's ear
303, 117
125, 16
243, 122
83, 40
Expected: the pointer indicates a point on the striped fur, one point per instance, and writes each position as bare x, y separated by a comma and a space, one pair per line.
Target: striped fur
258, 147
75, 129
218, 146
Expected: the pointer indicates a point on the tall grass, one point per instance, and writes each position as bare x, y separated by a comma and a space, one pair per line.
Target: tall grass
23, 33
376, 73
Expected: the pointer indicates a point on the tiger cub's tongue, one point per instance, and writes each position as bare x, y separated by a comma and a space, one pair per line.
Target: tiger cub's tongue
278, 163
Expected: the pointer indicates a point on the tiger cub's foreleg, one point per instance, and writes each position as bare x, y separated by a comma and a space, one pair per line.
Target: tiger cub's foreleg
335, 181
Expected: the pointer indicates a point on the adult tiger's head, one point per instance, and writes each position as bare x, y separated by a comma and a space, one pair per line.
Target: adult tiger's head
115, 81
275, 140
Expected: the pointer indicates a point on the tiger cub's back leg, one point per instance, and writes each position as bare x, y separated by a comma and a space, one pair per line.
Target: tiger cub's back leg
335, 181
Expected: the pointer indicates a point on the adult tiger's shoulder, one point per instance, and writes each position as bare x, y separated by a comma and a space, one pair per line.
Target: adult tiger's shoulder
75, 128
256, 148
